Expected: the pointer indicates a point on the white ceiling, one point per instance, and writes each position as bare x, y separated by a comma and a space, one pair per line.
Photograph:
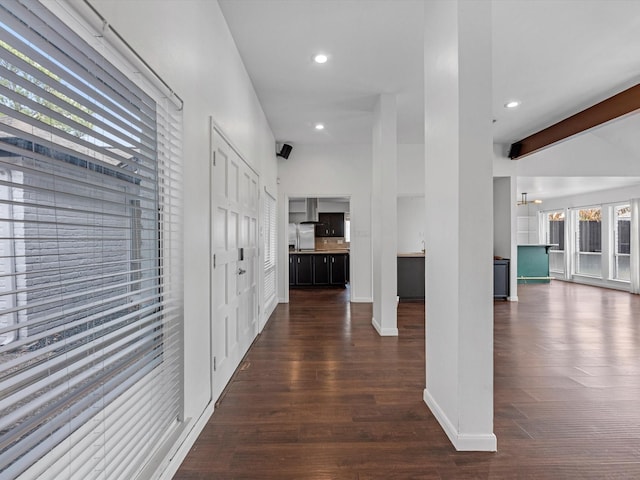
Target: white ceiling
556, 56
545, 188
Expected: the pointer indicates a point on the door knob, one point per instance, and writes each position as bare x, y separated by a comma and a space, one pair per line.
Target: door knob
241, 271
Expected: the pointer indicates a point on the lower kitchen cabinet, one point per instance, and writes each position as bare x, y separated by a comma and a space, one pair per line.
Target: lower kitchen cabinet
318, 269
501, 278
292, 269
338, 269
304, 270
410, 276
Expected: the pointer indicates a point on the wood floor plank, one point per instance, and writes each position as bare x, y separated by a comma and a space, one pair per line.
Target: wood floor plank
321, 396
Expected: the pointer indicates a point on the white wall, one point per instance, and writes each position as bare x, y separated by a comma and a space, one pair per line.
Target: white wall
411, 208
329, 206
410, 170
527, 226
502, 216
581, 156
188, 43
411, 215
592, 198
335, 171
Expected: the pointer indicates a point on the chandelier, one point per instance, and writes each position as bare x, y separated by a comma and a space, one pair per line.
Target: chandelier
524, 201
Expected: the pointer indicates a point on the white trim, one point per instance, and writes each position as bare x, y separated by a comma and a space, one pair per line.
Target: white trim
361, 300
621, 285
463, 442
513, 299
268, 311
384, 332
187, 443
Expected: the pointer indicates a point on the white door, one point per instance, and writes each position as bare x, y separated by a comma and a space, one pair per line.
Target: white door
234, 260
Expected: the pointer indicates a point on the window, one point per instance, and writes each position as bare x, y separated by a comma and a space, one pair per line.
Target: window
622, 242
588, 257
555, 237
347, 227
90, 300
270, 244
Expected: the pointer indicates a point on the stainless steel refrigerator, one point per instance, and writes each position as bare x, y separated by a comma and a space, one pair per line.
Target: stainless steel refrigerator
306, 236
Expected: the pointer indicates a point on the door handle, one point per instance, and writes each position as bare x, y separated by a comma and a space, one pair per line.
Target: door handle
241, 271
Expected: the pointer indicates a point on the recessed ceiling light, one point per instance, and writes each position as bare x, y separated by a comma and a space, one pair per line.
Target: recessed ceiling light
320, 58
512, 104
319, 126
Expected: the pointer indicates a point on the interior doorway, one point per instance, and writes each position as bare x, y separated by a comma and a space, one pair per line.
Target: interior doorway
331, 243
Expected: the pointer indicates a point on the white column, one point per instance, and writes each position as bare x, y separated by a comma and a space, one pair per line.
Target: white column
459, 220
384, 221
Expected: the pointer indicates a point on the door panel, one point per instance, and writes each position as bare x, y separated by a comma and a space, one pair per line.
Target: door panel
235, 200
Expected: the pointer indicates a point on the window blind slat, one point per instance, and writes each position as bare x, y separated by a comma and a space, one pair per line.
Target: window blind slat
89, 76
98, 336
145, 135
66, 313
90, 247
119, 156
74, 379
39, 100
107, 342
35, 448
102, 158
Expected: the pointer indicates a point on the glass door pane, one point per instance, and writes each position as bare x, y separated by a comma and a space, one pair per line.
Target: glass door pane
622, 241
588, 259
555, 238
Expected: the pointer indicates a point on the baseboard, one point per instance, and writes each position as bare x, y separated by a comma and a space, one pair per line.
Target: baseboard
268, 311
463, 442
513, 299
162, 458
384, 332
188, 442
361, 300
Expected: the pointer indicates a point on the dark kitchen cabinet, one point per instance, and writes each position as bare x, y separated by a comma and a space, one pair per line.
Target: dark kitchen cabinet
338, 269
331, 225
321, 269
304, 269
411, 277
318, 269
292, 269
501, 278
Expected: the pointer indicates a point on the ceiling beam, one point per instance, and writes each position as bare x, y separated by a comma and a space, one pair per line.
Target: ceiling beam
613, 107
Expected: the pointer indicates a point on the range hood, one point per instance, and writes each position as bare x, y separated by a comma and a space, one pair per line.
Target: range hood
311, 210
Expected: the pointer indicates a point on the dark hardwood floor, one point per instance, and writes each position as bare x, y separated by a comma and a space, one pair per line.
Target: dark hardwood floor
321, 396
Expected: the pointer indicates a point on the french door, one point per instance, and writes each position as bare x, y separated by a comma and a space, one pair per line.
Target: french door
234, 260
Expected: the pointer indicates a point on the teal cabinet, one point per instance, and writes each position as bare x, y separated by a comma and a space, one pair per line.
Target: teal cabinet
533, 264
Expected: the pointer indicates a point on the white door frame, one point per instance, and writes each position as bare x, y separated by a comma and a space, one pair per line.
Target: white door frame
220, 374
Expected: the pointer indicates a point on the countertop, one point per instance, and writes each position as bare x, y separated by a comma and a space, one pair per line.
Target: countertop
330, 252
412, 254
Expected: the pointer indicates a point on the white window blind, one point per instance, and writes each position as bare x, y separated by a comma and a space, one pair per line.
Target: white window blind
270, 240
90, 248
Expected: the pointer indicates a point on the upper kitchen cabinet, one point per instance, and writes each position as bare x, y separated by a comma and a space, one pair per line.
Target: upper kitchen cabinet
331, 225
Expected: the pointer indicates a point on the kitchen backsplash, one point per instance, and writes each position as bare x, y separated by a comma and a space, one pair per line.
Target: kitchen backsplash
331, 243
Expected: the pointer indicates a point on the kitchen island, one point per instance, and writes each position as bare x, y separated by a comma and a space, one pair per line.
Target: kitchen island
318, 268
411, 276
533, 263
